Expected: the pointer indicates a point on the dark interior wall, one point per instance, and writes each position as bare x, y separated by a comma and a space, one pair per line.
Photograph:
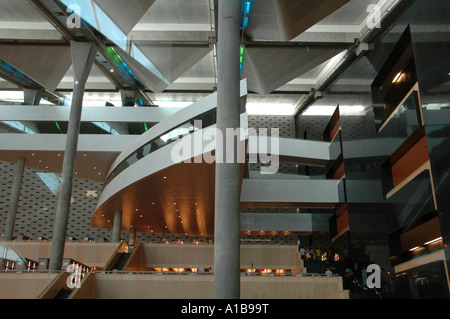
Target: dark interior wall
365, 150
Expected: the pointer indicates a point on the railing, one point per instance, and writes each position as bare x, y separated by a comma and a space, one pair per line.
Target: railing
207, 119
169, 130
185, 273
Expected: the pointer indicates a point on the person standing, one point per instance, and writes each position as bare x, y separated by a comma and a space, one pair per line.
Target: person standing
302, 252
317, 254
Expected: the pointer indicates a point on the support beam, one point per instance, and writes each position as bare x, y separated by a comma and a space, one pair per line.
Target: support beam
14, 201
83, 55
32, 96
227, 185
132, 237
117, 226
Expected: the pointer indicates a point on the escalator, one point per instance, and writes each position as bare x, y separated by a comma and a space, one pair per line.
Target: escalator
63, 294
122, 261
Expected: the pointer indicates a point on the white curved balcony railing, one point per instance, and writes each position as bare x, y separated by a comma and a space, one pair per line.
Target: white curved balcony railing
169, 130
153, 151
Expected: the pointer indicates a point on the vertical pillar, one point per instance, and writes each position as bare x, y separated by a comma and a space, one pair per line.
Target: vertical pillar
132, 237
83, 55
117, 226
32, 96
14, 200
227, 184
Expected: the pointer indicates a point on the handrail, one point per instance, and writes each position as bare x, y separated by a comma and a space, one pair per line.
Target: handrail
167, 125
186, 273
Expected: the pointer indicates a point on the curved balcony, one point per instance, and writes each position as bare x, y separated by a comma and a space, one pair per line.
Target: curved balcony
164, 182
157, 193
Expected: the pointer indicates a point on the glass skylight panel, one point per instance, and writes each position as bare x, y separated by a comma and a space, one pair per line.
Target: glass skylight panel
106, 127
52, 181
97, 18
110, 29
20, 126
141, 58
87, 10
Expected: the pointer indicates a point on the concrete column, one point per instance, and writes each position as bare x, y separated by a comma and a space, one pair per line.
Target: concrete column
14, 200
117, 226
32, 96
227, 187
132, 237
83, 55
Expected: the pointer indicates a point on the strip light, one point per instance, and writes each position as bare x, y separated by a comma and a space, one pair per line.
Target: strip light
397, 77
432, 241
428, 242
245, 11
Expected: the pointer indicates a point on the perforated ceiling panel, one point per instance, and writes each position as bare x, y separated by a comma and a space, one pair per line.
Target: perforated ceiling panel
37, 206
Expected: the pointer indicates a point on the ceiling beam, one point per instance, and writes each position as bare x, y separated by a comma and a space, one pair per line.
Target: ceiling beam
310, 45
52, 19
351, 57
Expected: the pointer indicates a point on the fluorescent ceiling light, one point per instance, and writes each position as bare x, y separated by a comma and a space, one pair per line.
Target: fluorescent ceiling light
327, 110
168, 103
255, 108
319, 110
356, 110
414, 248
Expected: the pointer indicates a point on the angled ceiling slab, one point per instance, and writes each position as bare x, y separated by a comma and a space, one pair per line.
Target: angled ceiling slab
148, 75
268, 68
44, 64
283, 20
174, 60
126, 14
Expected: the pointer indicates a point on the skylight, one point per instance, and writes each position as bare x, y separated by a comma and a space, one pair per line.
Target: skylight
52, 181
98, 19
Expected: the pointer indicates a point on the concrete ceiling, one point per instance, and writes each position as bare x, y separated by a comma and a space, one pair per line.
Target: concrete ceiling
177, 36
